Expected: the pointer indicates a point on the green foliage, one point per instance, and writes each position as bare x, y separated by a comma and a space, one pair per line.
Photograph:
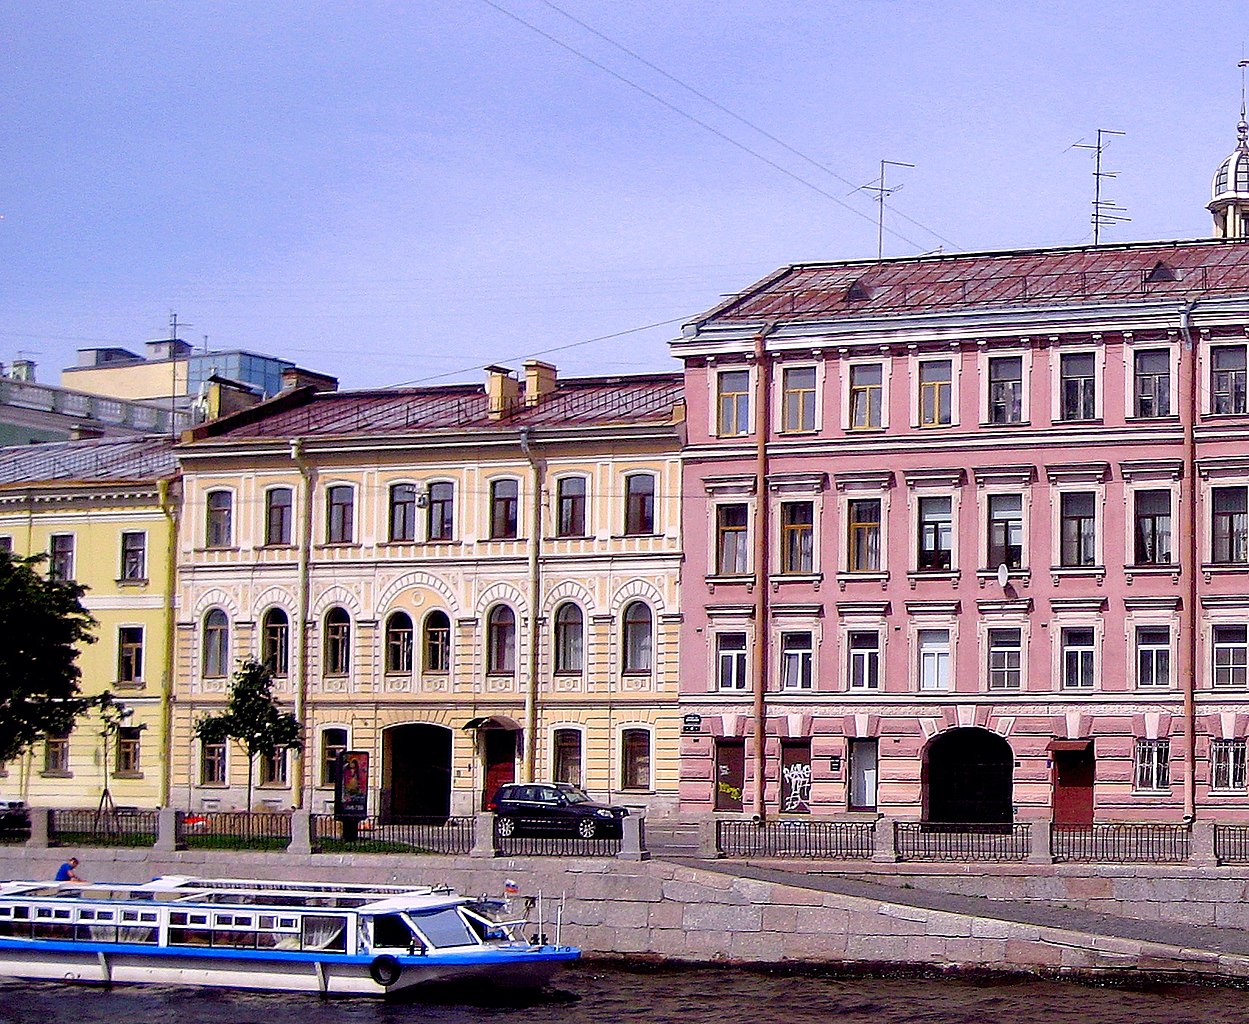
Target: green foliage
43, 625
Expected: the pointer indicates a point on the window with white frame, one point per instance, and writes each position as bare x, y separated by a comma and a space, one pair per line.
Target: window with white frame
635, 759
731, 661
569, 634
1227, 765
275, 633
1078, 657
440, 516
129, 752
1153, 656
731, 549
501, 641
1229, 527
934, 659
1078, 386
1227, 380
1153, 764
796, 659
864, 667
340, 503
639, 658
1005, 658
733, 403
1231, 655
866, 396
56, 754
570, 502
273, 768
798, 399
1152, 527
1006, 389
567, 756
1152, 383
403, 512
279, 507
212, 764
337, 642
1005, 531
333, 743
133, 557
935, 389
436, 643
797, 537
1078, 528
399, 643
216, 643
936, 534
130, 655
863, 535
218, 527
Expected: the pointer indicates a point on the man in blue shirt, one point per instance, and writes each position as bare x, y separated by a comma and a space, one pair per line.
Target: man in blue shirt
68, 872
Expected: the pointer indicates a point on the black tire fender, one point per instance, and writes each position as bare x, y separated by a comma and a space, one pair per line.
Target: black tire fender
385, 970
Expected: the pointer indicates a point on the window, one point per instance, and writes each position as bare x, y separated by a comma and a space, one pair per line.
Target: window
273, 768
216, 643
934, 659
441, 516
403, 512
134, 556
6, 544
1227, 379
567, 743
339, 508
399, 643
337, 642
863, 774
1153, 383
638, 659
936, 534
635, 759
865, 659
796, 660
570, 519
275, 632
1153, 656
129, 746
1078, 529
1227, 765
1005, 659
865, 396
278, 506
503, 506
639, 504
218, 526
1078, 386
1153, 764
797, 535
1229, 542
333, 743
501, 641
61, 560
130, 654
569, 656
798, 399
863, 534
437, 643
734, 403
1231, 655
934, 393
56, 755
731, 553
1006, 389
1153, 528
731, 661
1006, 531
212, 764
1077, 656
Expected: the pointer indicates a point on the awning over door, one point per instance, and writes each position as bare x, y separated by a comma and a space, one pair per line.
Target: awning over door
1077, 746
492, 722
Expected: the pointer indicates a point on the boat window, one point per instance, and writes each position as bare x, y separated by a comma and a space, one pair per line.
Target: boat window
390, 931
326, 934
445, 928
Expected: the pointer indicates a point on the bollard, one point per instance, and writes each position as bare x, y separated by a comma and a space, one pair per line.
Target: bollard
1202, 851
483, 835
170, 830
709, 839
633, 838
884, 848
301, 833
1040, 833
40, 828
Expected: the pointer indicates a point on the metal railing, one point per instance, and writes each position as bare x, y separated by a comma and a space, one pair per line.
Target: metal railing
827, 840
414, 835
555, 845
941, 841
1231, 844
237, 830
1122, 843
119, 827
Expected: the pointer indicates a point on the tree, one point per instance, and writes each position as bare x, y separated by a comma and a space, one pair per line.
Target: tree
43, 625
252, 718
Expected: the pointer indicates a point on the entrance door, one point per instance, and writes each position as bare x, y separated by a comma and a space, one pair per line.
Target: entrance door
417, 771
968, 778
1073, 786
863, 775
730, 774
500, 758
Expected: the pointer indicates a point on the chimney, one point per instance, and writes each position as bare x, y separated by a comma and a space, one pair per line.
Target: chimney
23, 369
294, 377
502, 390
539, 381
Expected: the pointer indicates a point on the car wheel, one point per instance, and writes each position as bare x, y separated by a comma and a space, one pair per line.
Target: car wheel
586, 828
506, 827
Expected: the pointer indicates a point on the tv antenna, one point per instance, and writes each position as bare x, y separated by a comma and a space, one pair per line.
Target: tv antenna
1105, 211
882, 191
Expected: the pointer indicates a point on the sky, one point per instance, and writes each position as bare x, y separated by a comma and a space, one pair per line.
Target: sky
405, 192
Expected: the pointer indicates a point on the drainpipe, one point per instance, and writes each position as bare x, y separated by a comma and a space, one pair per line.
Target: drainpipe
301, 627
763, 391
166, 683
1188, 670
537, 470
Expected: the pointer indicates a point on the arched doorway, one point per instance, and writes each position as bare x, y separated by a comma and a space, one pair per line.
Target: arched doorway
416, 772
968, 778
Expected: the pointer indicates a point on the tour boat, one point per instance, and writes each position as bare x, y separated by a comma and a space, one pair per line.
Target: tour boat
328, 938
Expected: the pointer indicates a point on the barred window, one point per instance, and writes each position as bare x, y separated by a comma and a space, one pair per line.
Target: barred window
1153, 764
1227, 765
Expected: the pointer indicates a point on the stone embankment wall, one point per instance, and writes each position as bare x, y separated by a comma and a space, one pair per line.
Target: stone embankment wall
668, 911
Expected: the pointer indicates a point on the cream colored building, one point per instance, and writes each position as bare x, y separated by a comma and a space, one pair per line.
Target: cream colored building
471, 584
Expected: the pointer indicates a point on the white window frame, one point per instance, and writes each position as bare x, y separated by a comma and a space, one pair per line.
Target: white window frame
1151, 774
916, 362
1134, 634
916, 498
1061, 628
747, 537
848, 366
1021, 670
1228, 757
849, 630
918, 658
320, 748
1098, 352
783, 657
1025, 400
620, 755
778, 396
1215, 647
1205, 373
741, 662
1132, 348
580, 730
751, 385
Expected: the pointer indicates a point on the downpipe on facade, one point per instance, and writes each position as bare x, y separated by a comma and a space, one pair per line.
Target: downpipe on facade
1188, 671
301, 628
537, 473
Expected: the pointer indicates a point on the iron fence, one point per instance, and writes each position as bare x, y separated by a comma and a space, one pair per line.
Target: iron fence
1231, 844
117, 827
412, 835
1122, 844
555, 845
237, 830
941, 841
826, 840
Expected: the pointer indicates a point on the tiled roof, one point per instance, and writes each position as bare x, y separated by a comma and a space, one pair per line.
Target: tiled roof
596, 401
93, 461
1152, 270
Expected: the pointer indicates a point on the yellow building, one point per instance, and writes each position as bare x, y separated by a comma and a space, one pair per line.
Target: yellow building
104, 512
472, 584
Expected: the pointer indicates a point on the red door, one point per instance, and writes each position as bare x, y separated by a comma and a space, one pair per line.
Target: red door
1073, 786
730, 774
500, 755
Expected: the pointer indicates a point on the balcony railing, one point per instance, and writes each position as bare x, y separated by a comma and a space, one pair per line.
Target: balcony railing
933, 841
1122, 844
821, 840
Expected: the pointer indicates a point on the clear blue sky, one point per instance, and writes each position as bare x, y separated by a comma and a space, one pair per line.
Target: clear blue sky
395, 192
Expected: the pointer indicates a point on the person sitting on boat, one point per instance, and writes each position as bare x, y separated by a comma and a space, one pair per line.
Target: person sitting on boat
68, 872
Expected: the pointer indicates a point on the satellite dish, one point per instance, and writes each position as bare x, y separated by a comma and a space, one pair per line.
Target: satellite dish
1003, 575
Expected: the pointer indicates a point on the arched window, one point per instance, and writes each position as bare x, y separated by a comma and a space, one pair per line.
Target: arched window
567, 756
216, 643
337, 642
569, 650
437, 642
639, 504
403, 512
441, 522
399, 643
275, 635
501, 641
638, 659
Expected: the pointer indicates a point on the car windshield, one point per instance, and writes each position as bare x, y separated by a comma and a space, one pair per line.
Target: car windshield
575, 796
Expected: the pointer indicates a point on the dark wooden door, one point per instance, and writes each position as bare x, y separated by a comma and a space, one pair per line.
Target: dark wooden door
1073, 787
500, 754
730, 774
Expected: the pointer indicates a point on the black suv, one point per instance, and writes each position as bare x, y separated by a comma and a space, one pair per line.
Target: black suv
552, 807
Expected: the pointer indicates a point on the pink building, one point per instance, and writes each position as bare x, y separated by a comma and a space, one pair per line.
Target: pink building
968, 537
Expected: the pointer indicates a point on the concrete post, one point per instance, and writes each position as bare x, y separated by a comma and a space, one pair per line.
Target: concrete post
1202, 851
170, 830
40, 828
301, 833
884, 849
709, 839
1039, 849
483, 835
633, 838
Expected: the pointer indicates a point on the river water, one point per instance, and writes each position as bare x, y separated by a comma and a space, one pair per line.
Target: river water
599, 994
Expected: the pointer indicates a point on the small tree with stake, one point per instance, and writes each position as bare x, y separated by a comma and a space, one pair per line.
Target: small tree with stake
252, 718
